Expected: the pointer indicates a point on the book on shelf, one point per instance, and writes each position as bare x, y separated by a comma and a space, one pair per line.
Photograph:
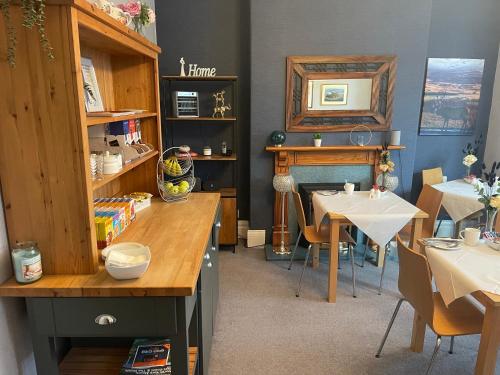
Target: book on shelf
149, 357
117, 113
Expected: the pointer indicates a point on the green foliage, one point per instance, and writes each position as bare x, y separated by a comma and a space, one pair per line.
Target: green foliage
33, 15
317, 136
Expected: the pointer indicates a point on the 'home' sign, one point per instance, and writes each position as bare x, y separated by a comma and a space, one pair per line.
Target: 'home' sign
195, 71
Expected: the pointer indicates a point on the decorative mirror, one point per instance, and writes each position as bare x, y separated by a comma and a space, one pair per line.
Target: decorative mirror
338, 93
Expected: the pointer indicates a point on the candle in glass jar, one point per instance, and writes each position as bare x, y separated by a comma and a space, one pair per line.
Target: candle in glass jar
27, 262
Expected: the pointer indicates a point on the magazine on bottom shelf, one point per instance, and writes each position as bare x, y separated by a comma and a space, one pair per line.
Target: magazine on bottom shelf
148, 357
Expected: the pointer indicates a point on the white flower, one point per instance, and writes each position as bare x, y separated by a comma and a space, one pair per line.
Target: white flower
469, 160
151, 16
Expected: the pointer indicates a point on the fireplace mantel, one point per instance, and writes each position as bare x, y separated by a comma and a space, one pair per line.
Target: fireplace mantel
288, 156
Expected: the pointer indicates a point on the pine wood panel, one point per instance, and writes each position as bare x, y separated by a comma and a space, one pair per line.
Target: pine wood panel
42, 168
177, 235
105, 361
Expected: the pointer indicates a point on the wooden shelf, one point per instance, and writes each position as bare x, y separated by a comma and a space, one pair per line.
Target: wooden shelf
233, 157
91, 121
108, 178
330, 148
216, 78
201, 119
224, 192
105, 361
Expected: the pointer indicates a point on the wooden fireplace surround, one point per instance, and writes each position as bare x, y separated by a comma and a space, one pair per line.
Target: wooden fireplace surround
287, 156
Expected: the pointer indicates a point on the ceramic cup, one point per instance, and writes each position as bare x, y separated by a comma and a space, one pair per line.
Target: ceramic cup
470, 236
349, 188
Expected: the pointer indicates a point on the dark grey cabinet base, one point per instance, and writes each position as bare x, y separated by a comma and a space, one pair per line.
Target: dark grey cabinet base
57, 324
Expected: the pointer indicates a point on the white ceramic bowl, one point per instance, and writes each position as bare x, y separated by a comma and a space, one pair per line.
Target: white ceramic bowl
118, 259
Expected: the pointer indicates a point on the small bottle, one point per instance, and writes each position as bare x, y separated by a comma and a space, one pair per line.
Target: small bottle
223, 149
27, 262
207, 151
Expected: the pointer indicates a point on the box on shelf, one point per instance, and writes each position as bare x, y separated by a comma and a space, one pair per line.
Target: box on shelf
112, 217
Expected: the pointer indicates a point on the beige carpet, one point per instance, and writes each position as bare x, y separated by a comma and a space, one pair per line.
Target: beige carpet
262, 328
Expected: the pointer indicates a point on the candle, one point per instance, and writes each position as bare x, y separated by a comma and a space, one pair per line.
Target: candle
27, 262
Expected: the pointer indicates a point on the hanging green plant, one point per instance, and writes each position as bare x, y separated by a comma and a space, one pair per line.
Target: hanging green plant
33, 16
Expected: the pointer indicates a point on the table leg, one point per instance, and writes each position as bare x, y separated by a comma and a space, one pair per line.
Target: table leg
334, 261
490, 342
416, 234
417, 334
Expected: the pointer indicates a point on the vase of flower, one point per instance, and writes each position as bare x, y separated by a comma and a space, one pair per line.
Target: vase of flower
488, 188
142, 15
385, 165
491, 214
317, 139
471, 153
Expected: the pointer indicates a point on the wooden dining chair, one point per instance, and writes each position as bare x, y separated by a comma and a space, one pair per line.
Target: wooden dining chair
460, 318
428, 201
432, 176
315, 237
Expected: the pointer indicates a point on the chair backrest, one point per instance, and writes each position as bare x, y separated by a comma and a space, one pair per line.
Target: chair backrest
415, 281
432, 176
301, 217
429, 201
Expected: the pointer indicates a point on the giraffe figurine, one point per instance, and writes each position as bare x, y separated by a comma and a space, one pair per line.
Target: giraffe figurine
220, 107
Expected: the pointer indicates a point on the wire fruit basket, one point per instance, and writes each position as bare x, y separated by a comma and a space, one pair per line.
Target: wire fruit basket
175, 175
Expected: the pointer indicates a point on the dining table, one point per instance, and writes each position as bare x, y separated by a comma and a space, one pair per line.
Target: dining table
468, 271
380, 219
460, 200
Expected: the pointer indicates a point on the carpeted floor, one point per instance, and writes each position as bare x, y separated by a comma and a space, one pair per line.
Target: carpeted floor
262, 328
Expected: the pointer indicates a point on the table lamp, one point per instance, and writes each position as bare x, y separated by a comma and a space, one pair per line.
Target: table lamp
283, 183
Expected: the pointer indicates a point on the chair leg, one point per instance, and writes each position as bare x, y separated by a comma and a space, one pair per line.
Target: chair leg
351, 252
303, 269
387, 251
364, 253
437, 229
391, 322
452, 344
294, 250
434, 355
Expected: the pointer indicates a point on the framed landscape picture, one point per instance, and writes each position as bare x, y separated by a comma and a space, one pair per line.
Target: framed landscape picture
333, 94
451, 96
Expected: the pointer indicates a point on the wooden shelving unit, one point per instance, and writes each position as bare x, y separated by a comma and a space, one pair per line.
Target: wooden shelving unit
46, 184
91, 121
216, 158
108, 178
199, 128
195, 119
105, 361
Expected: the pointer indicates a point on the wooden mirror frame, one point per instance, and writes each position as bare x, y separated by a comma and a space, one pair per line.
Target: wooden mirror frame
302, 69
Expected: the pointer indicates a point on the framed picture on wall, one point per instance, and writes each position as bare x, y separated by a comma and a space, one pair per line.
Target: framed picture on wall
333, 94
451, 96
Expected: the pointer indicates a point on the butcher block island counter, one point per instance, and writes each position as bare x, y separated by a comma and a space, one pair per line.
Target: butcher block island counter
73, 318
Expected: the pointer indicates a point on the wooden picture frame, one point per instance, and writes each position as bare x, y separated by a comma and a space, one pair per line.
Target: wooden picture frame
376, 113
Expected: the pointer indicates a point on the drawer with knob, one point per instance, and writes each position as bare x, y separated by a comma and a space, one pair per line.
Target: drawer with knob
114, 317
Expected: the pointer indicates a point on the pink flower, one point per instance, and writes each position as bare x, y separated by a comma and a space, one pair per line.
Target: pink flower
132, 7
151, 16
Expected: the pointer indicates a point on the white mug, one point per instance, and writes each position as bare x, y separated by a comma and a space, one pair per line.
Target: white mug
470, 236
349, 188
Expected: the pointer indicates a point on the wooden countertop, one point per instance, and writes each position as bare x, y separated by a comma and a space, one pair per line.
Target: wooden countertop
177, 234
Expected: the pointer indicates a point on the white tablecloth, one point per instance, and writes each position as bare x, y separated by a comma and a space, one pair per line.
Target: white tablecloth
380, 219
461, 272
459, 199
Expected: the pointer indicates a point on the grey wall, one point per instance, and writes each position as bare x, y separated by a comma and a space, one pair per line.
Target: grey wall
492, 152
16, 355
212, 33
325, 27
467, 29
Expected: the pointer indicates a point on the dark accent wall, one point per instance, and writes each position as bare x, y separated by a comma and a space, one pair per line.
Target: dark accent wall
325, 27
212, 33
465, 29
